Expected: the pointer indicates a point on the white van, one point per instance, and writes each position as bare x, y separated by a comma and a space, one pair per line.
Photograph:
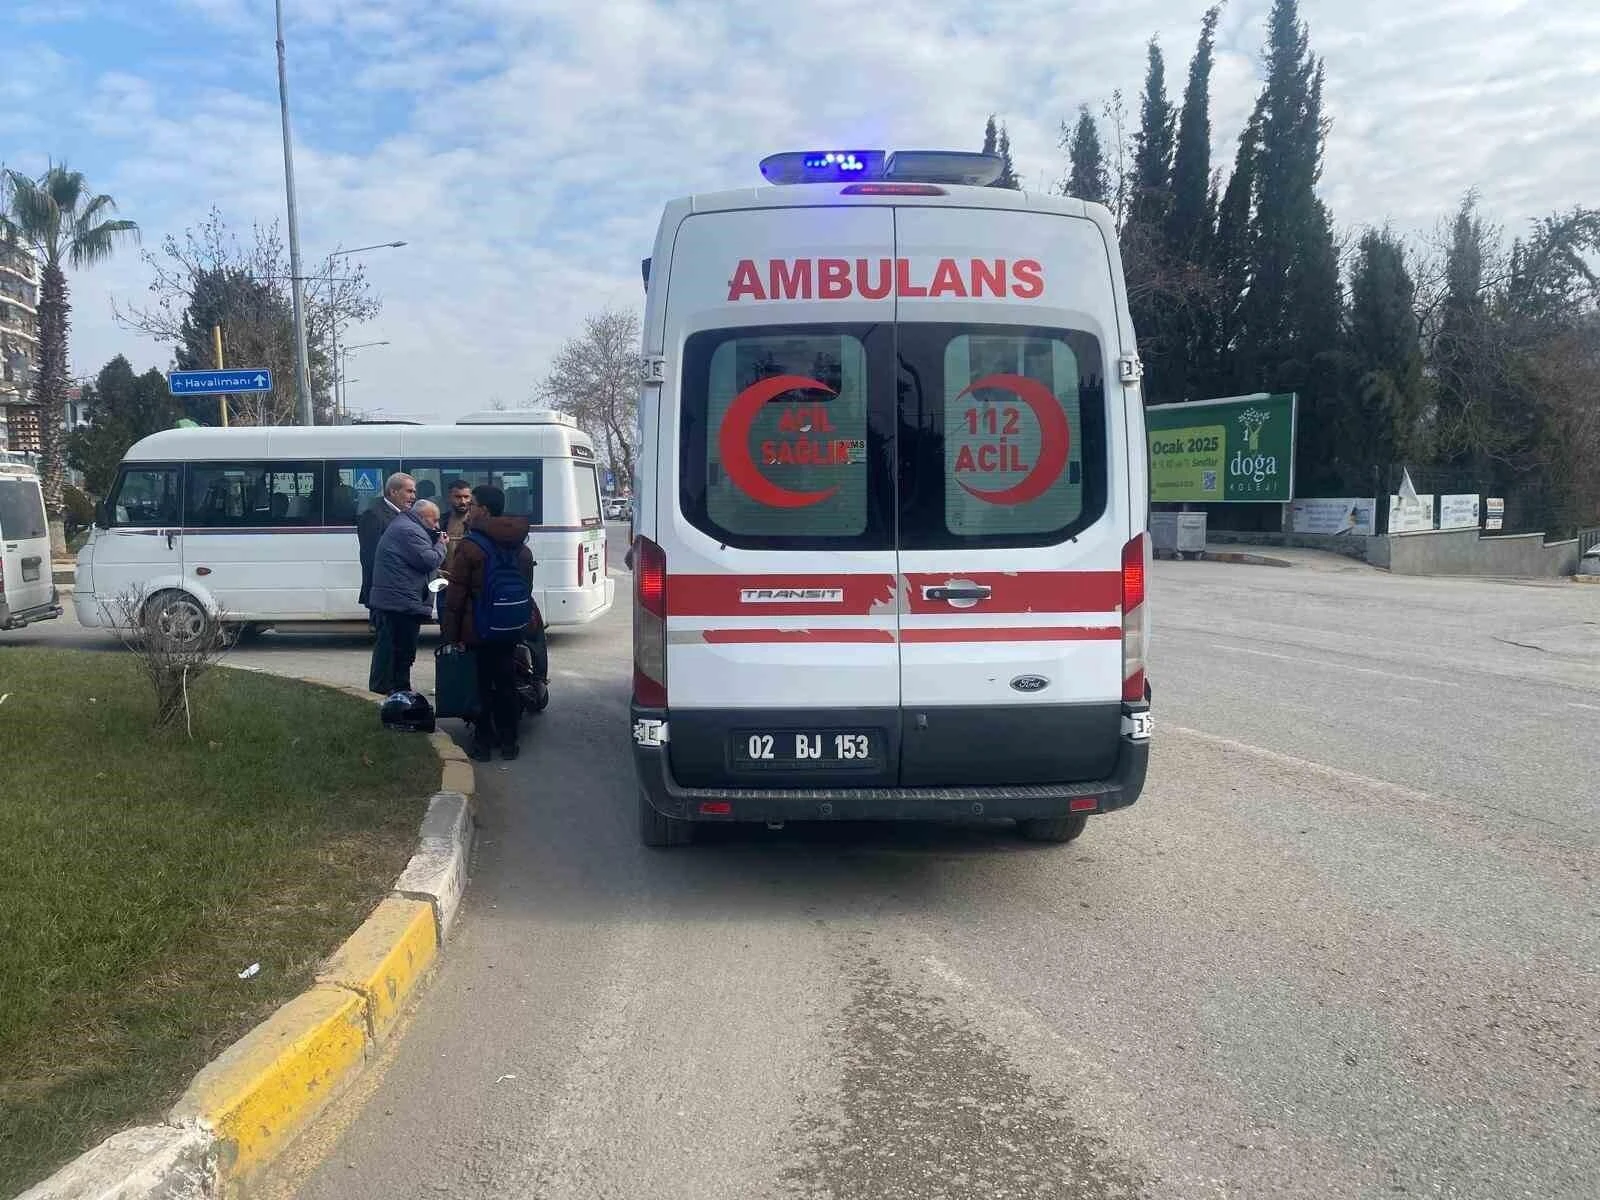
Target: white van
27, 584
891, 517
257, 526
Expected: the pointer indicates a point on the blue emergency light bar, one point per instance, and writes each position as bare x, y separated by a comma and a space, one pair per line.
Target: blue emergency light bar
899, 166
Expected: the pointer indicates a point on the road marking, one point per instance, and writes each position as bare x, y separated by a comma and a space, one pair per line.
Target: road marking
1322, 662
1590, 707
1305, 764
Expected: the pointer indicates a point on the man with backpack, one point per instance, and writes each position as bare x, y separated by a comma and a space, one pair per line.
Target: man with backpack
488, 609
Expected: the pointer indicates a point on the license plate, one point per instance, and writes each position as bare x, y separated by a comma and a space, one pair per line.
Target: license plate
808, 748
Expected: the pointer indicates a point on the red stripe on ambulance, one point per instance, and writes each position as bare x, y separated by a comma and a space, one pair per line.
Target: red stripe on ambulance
1026, 592
876, 278
779, 595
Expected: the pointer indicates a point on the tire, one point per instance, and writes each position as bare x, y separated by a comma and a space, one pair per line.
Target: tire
1053, 829
180, 618
657, 830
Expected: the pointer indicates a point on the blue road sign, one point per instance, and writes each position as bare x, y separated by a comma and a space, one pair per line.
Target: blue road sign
611, 481
219, 383
367, 479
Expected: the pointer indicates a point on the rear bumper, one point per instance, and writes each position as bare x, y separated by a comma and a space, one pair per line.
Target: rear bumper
25, 617
1013, 802
564, 607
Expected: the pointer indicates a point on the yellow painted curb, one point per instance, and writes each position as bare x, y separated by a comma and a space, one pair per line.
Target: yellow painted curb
458, 777
269, 1084
386, 959
445, 747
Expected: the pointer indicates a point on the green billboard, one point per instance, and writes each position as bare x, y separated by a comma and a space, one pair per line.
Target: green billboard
1236, 450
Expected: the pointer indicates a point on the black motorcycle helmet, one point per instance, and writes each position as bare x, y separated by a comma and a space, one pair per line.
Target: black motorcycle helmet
407, 712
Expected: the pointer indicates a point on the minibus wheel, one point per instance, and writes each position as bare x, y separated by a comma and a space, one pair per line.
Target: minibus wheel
178, 617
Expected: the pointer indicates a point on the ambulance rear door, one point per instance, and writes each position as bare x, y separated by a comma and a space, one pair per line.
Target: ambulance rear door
776, 511
1013, 509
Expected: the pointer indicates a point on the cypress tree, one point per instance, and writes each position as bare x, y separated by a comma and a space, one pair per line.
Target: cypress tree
1385, 394
1187, 219
1008, 174
1153, 145
1087, 179
1290, 317
991, 136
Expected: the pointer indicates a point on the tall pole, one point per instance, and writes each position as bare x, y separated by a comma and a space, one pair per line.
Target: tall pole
302, 373
222, 401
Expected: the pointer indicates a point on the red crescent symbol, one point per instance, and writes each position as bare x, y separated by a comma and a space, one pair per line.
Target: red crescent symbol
1055, 439
733, 442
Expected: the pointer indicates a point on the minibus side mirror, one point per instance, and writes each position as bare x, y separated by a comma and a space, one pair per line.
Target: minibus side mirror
102, 515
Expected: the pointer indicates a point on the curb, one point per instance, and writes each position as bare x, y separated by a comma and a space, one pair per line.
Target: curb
1586, 579
247, 1106
1250, 560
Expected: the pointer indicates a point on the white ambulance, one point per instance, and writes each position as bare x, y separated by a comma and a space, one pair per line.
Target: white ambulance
892, 503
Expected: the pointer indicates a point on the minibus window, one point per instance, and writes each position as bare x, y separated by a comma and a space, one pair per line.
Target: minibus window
522, 480
21, 511
351, 487
146, 496
253, 494
588, 485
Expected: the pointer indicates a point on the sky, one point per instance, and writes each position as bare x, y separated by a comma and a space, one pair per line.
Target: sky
523, 148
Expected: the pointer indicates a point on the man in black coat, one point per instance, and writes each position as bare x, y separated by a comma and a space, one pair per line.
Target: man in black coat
399, 493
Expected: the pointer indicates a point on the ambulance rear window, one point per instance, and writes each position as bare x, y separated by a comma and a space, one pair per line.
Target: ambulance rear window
1003, 435
777, 440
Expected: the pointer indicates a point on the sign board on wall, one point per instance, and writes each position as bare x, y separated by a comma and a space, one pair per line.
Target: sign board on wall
1458, 512
1410, 516
1236, 450
1494, 513
1333, 515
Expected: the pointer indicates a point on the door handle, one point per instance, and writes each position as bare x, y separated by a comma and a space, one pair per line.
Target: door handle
171, 536
957, 591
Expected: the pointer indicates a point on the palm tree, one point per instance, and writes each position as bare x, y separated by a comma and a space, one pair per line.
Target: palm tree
64, 224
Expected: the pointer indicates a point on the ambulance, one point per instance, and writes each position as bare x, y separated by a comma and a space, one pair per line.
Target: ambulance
892, 505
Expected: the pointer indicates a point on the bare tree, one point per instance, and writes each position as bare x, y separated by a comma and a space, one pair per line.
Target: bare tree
208, 276
595, 377
175, 642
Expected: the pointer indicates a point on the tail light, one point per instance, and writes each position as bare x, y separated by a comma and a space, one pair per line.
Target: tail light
649, 624
1134, 632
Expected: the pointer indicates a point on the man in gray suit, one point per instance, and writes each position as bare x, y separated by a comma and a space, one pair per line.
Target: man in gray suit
399, 491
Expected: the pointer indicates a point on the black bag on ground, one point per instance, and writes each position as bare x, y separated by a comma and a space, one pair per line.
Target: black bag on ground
455, 683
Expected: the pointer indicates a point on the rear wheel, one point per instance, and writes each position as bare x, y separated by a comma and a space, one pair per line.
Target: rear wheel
658, 830
1053, 829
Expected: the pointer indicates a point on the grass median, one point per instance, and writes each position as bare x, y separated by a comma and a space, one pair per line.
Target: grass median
142, 874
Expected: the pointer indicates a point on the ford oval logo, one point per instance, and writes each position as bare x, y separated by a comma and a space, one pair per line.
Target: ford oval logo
1030, 683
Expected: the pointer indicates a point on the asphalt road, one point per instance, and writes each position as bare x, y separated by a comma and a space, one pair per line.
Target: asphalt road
1347, 945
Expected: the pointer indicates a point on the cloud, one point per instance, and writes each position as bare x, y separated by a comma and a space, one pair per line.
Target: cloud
524, 147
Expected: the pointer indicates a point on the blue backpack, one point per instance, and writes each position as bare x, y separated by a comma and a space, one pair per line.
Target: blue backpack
504, 606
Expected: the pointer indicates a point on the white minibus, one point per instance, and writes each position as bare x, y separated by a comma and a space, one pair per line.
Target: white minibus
257, 526
27, 586
890, 522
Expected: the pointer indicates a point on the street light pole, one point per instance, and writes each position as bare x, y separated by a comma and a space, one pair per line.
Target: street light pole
302, 371
333, 311
342, 367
